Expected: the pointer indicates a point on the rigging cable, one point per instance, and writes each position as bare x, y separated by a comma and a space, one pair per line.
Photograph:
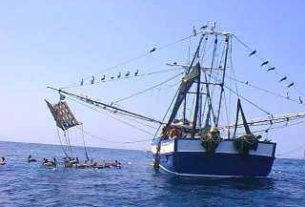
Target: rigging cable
250, 102
157, 155
253, 52
63, 149
105, 106
244, 98
115, 142
148, 89
140, 56
282, 126
124, 122
246, 83
86, 152
122, 78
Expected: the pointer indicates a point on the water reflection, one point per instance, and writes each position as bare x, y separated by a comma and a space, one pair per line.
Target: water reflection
229, 183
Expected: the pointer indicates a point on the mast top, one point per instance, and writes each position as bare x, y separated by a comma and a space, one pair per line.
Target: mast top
210, 29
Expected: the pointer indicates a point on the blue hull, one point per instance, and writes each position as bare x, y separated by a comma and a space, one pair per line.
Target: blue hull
186, 157
224, 165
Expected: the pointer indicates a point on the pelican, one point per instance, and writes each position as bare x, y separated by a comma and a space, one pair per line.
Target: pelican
291, 84
136, 73
252, 53
49, 164
204, 27
194, 31
264, 63
152, 50
300, 100
31, 159
2, 161
284, 78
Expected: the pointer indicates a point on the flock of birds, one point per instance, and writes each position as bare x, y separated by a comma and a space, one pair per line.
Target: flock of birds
266, 64
103, 78
70, 162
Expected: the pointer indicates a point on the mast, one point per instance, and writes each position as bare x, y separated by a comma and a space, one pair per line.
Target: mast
223, 78
208, 93
186, 84
245, 123
187, 71
197, 103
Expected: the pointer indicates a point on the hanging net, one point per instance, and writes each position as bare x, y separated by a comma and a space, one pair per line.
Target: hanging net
62, 115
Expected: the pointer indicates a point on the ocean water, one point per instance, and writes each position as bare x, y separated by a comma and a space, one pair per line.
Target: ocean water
136, 184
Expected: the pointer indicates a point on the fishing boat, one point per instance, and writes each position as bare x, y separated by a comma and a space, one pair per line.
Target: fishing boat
192, 138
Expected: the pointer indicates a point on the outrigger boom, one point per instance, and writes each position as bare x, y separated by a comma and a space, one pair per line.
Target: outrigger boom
105, 106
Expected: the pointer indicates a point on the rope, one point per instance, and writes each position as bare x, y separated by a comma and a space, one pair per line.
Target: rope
157, 156
111, 141
67, 136
265, 90
283, 126
121, 78
267, 63
140, 56
124, 122
250, 102
63, 149
148, 89
242, 97
86, 152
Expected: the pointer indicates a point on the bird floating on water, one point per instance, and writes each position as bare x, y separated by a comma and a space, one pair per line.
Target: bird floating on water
2, 161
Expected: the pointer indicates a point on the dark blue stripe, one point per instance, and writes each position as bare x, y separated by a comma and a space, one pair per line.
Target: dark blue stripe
217, 164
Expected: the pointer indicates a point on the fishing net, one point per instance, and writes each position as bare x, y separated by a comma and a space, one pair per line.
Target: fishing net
210, 140
63, 115
246, 143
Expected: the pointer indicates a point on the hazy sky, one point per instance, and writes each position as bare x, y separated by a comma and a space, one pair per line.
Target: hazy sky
58, 42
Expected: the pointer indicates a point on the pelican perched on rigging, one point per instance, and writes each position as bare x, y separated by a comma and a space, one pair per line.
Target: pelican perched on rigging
136, 73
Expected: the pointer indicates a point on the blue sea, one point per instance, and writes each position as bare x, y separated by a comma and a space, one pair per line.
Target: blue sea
137, 183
